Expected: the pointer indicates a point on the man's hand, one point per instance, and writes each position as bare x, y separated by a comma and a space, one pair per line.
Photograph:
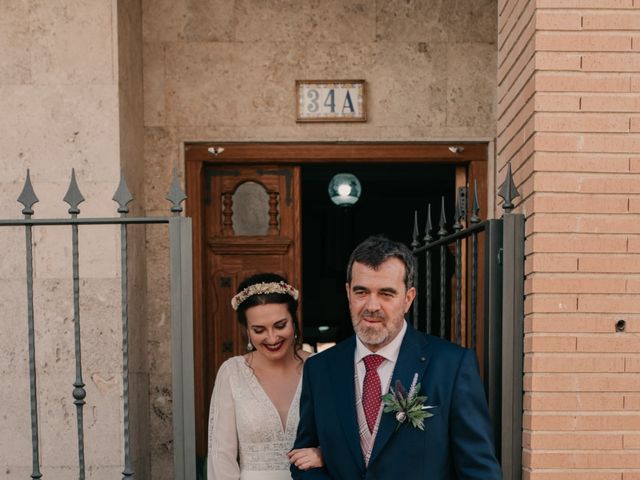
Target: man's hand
306, 458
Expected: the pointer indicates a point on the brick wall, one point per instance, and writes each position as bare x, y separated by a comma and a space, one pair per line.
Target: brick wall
569, 121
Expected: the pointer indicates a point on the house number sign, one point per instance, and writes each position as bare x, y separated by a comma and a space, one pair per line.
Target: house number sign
330, 101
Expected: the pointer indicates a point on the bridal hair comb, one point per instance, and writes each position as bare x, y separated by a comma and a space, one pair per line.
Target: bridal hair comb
263, 289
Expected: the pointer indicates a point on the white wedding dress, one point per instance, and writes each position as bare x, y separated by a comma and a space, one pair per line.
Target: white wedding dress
246, 438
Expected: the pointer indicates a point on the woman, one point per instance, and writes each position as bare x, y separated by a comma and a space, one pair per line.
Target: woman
254, 407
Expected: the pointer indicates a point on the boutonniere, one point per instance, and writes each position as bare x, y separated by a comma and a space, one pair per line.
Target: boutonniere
408, 406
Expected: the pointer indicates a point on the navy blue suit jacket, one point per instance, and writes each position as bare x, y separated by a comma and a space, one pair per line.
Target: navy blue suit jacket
457, 442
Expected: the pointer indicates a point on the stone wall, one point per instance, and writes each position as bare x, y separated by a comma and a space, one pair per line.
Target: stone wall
225, 70
69, 99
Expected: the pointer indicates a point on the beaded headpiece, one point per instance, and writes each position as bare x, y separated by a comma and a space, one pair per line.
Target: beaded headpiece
263, 289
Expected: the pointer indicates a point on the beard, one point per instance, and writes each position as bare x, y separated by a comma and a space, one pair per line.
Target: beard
372, 334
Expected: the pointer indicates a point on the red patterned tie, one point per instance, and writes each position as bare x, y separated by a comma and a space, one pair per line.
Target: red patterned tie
371, 389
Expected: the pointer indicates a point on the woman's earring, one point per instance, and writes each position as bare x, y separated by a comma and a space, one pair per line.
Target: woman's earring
249, 345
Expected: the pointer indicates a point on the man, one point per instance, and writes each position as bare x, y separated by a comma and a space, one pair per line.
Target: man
340, 405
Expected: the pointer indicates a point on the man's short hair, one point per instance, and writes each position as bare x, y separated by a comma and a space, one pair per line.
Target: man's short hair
377, 249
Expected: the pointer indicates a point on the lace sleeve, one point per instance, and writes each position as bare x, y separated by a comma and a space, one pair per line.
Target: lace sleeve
222, 458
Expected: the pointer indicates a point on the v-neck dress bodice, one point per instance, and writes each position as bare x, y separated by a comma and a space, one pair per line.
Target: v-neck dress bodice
247, 440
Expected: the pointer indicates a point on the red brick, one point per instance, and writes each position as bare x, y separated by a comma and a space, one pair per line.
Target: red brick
608, 303
550, 343
551, 262
582, 82
634, 83
633, 244
572, 283
609, 224
581, 122
584, 382
583, 41
558, 61
576, 323
591, 459
632, 364
572, 401
631, 441
556, 182
631, 401
564, 102
544, 303
620, 342
574, 441
553, 20
579, 363
560, 474
582, 162
621, 183
584, 4
621, 102
618, 263
633, 284
611, 62
634, 164
634, 205
611, 20
584, 421
557, 202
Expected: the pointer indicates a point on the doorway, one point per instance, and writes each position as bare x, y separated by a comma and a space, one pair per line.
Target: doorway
301, 235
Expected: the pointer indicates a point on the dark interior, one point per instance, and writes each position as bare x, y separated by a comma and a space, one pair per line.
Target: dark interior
391, 193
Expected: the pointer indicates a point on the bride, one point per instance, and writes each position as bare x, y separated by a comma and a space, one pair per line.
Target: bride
255, 403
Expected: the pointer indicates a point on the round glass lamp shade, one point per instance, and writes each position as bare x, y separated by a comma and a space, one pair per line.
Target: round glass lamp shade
344, 189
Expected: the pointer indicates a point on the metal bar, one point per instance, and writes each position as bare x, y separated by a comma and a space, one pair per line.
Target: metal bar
428, 289
83, 221
124, 284
493, 325
454, 236
458, 292
512, 344
474, 288
184, 447
35, 453
443, 279
79, 392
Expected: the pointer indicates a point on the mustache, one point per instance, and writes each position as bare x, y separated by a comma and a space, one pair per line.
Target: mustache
373, 314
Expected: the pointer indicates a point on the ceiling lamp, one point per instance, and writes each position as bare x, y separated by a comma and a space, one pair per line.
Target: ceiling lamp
344, 189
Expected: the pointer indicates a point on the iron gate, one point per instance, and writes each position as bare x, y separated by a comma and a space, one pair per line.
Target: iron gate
181, 320
470, 290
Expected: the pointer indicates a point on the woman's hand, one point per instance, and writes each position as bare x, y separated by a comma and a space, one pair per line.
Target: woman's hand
306, 458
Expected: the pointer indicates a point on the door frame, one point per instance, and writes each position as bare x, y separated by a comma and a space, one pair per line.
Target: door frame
472, 156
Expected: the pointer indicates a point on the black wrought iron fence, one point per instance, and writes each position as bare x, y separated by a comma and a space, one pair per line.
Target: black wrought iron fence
470, 290
181, 317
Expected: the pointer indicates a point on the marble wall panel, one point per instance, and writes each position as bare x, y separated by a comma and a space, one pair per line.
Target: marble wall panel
72, 42
153, 69
210, 21
471, 81
52, 129
339, 21
163, 20
15, 42
161, 427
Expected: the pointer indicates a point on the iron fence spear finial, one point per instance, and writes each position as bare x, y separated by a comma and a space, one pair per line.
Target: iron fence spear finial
73, 197
122, 196
475, 208
176, 195
429, 226
443, 221
415, 243
28, 196
508, 191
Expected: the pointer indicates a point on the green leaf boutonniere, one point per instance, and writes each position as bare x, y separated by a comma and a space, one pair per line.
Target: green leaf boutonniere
409, 406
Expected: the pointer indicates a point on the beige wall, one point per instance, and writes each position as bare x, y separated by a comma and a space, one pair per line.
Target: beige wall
225, 70
568, 111
70, 96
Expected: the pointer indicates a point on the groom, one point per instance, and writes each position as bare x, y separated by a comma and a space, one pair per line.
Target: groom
340, 406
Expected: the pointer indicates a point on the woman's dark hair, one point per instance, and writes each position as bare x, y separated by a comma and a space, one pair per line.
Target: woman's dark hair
266, 298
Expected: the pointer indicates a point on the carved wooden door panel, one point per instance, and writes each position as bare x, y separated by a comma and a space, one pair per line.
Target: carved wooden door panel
252, 225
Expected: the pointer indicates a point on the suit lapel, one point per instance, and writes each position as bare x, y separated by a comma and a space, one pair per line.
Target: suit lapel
342, 375
413, 358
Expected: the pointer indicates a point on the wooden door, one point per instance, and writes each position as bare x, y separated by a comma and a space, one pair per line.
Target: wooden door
252, 225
